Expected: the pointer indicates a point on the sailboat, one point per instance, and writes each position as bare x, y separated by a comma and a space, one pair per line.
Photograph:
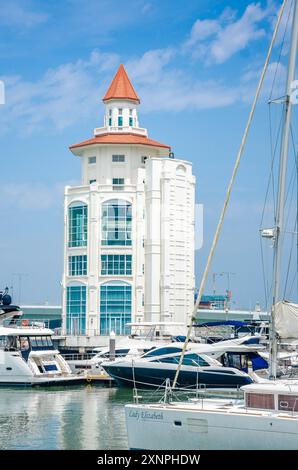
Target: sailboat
267, 418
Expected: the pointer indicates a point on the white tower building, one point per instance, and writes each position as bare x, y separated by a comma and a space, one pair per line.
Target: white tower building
129, 227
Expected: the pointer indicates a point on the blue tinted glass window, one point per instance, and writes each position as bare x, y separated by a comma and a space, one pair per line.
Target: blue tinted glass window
76, 310
77, 225
112, 265
116, 223
77, 265
115, 308
162, 351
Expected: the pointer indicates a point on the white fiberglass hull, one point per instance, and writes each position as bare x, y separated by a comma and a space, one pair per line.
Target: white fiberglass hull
168, 427
14, 370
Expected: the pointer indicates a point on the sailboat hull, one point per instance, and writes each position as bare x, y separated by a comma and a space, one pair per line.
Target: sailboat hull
162, 427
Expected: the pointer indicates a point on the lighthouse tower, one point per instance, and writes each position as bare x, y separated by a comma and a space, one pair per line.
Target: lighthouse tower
129, 227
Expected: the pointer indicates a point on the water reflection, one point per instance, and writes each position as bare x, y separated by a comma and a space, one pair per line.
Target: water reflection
75, 418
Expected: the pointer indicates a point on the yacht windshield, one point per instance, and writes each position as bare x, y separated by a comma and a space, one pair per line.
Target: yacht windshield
41, 342
191, 359
162, 351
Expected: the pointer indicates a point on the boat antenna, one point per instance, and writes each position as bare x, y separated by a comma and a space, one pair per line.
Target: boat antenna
280, 208
228, 194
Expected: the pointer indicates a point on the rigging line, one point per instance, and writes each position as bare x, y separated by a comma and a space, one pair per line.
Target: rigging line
267, 289
228, 194
271, 173
289, 196
290, 258
295, 162
270, 116
291, 185
296, 223
264, 273
281, 50
292, 286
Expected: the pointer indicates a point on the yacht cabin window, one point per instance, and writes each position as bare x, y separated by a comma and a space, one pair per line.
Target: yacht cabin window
44, 342
264, 401
24, 343
288, 402
3, 341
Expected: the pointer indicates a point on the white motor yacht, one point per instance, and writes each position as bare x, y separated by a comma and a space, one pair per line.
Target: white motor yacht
27, 353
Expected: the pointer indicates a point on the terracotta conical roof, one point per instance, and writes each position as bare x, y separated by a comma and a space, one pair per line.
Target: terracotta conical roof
121, 87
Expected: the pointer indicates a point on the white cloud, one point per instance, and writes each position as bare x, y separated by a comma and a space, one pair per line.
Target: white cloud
63, 96
216, 40
273, 86
32, 196
13, 13
164, 88
72, 92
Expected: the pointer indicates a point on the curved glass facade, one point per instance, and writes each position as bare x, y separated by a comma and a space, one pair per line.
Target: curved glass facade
115, 308
116, 223
76, 310
77, 224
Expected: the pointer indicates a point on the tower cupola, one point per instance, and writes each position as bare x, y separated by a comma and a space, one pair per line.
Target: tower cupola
121, 102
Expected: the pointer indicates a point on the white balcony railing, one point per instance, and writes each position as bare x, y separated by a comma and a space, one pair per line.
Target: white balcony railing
118, 129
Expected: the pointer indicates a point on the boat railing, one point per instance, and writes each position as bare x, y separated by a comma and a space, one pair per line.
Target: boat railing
196, 396
78, 356
26, 323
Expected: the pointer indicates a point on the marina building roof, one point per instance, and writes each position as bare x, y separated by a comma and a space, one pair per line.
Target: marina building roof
121, 87
120, 138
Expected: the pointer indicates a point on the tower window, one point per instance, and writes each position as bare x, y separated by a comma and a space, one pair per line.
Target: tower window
115, 265
77, 224
120, 111
92, 181
110, 121
116, 223
130, 121
118, 158
118, 184
120, 121
91, 160
110, 112
115, 308
76, 310
77, 265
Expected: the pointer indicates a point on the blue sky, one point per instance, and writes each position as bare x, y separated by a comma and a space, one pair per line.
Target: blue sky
195, 65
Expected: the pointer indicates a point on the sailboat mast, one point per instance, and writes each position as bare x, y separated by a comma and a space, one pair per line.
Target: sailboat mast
280, 209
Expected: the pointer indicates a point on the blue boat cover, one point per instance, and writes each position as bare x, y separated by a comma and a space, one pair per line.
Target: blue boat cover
222, 323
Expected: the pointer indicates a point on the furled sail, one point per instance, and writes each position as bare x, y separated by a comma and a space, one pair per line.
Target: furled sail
286, 319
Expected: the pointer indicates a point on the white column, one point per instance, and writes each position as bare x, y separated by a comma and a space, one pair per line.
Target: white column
152, 241
165, 282
139, 252
93, 262
65, 259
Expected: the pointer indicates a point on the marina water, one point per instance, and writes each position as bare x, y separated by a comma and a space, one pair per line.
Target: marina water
79, 417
